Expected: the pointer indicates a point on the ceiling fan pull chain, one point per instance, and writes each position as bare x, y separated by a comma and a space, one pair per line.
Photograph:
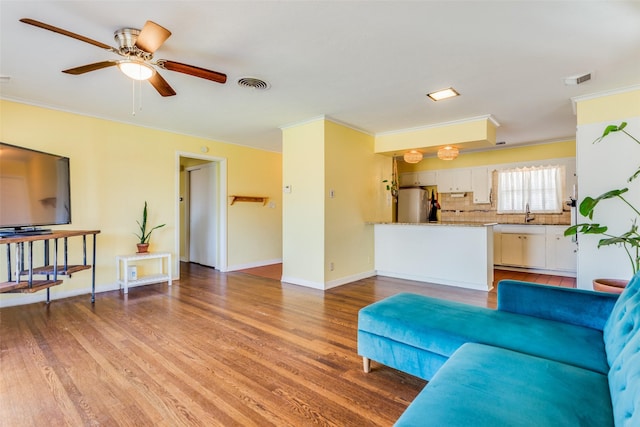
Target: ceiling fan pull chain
133, 97
140, 95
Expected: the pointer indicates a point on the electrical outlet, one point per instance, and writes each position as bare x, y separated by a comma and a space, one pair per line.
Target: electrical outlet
331, 266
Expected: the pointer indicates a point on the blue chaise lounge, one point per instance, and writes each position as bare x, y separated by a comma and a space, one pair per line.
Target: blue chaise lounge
548, 356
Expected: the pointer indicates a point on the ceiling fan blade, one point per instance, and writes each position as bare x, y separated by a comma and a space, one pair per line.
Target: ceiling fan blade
67, 33
161, 85
203, 73
90, 67
152, 36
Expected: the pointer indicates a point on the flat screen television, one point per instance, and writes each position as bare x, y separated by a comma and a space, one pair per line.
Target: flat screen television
34, 190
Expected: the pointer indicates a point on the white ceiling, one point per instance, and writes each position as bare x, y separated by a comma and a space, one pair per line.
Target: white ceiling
368, 64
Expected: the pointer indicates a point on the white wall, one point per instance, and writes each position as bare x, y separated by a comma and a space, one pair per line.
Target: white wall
602, 167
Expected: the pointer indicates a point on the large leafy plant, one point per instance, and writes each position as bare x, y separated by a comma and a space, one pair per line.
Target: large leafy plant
629, 240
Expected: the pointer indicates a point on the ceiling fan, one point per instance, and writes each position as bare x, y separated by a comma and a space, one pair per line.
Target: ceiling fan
137, 47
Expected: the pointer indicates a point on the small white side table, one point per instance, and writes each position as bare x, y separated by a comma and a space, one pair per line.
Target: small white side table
123, 276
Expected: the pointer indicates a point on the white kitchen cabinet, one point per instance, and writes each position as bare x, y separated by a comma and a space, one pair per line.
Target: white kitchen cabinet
408, 179
561, 251
454, 180
427, 178
497, 245
417, 179
523, 249
481, 185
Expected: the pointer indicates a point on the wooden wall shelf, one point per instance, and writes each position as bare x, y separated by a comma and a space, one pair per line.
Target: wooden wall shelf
254, 199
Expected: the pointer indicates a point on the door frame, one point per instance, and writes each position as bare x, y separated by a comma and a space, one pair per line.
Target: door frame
221, 183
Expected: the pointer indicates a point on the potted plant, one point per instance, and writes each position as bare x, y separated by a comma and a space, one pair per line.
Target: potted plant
629, 240
392, 185
144, 236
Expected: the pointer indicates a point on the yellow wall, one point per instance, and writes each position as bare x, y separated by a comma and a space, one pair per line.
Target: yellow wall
303, 209
355, 174
115, 167
318, 230
506, 155
608, 108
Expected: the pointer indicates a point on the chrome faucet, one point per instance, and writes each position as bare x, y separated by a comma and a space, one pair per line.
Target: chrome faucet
527, 214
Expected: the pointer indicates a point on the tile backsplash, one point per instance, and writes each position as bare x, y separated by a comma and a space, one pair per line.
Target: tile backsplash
462, 209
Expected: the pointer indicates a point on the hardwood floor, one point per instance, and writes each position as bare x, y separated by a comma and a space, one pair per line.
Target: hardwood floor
214, 349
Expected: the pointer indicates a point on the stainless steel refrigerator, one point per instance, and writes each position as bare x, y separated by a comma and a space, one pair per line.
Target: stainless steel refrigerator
413, 205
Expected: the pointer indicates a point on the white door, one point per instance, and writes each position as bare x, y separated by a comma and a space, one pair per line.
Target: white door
202, 214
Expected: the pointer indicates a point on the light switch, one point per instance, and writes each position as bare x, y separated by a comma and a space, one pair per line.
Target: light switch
286, 189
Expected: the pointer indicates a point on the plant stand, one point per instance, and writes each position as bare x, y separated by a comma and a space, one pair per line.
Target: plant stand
123, 277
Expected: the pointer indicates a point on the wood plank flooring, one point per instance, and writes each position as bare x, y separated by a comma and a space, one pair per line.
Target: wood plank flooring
214, 349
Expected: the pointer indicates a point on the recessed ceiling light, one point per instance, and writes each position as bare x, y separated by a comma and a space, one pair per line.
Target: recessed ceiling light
443, 94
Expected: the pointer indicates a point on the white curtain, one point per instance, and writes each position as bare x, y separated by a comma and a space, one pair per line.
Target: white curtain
540, 187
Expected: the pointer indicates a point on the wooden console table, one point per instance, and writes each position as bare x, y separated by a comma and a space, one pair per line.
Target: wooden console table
23, 247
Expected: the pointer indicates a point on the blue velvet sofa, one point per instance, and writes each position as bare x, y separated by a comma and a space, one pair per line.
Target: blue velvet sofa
548, 356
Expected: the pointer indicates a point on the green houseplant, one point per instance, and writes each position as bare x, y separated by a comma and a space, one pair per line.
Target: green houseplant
392, 184
144, 235
629, 240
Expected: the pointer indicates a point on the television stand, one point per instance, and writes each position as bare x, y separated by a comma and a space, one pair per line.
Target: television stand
23, 248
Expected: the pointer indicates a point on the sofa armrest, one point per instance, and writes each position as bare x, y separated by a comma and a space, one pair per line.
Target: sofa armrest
575, 306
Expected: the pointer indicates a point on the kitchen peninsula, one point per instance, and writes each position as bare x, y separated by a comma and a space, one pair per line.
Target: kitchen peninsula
454, 253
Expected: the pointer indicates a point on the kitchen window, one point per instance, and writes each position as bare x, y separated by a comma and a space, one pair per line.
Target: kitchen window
539, 187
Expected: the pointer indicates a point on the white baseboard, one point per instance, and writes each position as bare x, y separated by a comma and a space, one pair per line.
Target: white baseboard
56, 294
436, 280
348, 279
537, 271
330, 284
303, 282
253, 264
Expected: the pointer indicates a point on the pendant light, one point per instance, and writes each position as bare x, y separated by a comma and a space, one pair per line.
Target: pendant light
412, 156
448, 153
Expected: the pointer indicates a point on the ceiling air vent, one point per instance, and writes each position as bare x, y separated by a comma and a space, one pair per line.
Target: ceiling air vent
576, 80
253, 83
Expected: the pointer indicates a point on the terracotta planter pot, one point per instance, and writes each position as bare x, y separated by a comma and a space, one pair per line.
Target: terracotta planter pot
615, 286
142, 247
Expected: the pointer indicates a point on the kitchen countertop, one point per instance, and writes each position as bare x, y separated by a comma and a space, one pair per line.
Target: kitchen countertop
448, 223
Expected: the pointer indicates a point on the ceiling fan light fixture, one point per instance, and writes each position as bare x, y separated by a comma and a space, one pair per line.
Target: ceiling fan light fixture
443, 94
412, 156
448, 153
136, 70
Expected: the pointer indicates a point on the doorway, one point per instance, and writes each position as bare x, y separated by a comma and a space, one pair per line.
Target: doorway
201, 214
201, 210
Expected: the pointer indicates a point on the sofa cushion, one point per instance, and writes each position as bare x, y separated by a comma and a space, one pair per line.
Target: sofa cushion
623, 343
568, 305
624, 385
624, 321
441, 327
487, 386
